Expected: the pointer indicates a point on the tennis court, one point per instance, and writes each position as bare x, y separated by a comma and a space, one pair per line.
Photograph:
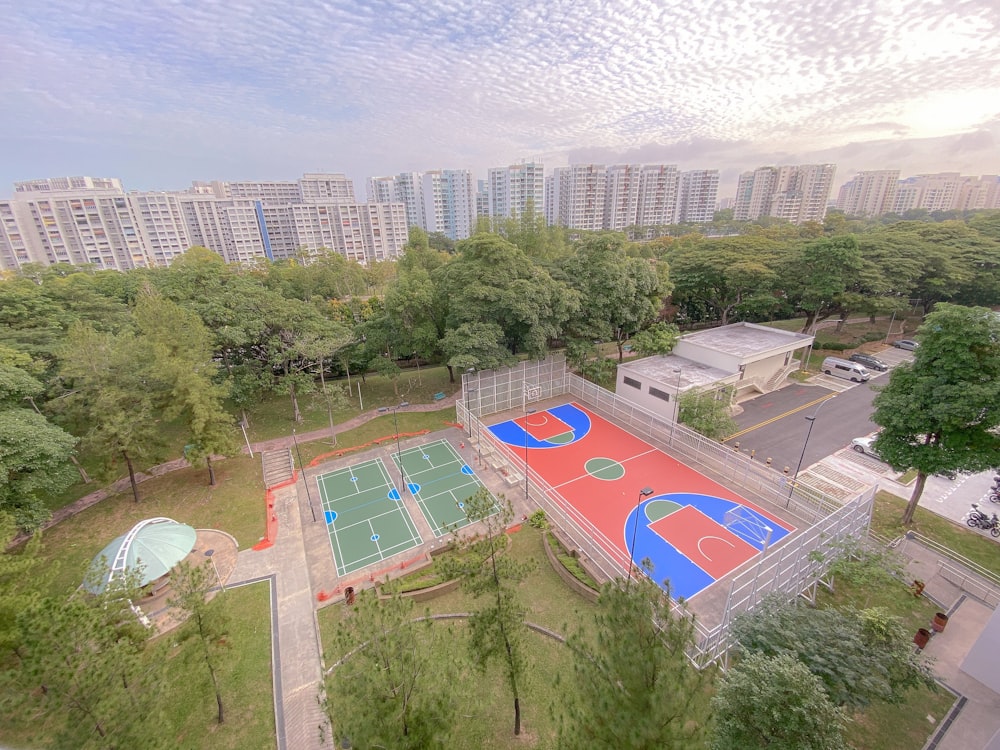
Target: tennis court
365, 516
692, 529
440, 481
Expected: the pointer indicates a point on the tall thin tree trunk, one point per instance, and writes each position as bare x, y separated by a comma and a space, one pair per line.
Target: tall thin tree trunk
211, 471
911, 506
296, 414
131, 475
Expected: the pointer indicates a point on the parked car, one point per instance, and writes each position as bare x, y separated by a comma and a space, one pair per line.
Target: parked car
864, 445
872, 363
908, 344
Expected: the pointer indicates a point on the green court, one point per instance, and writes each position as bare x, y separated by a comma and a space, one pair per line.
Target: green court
365, 516
440, 481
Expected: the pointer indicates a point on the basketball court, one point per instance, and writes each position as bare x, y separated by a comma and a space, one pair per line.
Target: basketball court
693, 530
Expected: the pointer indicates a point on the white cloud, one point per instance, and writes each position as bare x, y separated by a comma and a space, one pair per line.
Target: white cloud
231, 90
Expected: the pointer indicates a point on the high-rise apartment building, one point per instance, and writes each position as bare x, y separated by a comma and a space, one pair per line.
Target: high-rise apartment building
448, 203
658, 201
697, 195
575, 196
515, 189
85, 220
945, 191
794, 193
406, 188
869, 193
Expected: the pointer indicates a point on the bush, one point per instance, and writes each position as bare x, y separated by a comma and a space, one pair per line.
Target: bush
834, 346
571, 563
538, 520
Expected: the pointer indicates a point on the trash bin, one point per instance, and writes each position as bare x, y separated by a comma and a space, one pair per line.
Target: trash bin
922, 637
939, 621
349, 595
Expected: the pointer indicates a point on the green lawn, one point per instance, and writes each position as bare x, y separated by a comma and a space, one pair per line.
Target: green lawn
975, 546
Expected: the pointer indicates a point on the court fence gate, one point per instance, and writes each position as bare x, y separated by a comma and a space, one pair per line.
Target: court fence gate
791, 568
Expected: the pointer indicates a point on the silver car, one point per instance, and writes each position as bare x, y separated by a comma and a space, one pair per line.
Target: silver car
908, 344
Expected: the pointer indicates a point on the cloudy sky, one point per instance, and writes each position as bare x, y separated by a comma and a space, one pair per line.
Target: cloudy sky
162, 92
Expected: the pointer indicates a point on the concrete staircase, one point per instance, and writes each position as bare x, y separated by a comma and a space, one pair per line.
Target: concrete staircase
278, 466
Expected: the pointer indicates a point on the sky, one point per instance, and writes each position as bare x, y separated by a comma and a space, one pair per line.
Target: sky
163, 92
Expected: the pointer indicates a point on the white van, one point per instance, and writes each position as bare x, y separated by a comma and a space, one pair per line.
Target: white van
842, 368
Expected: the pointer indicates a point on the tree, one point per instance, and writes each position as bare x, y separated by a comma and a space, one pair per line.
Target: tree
492, 281
821, 275
861, 656
632, 684
496, 629
380, 694
659, 338
478, 345
618, 294
941, 412
113, 395
34, 454
81, 659
775, 702
707, 413
191, 585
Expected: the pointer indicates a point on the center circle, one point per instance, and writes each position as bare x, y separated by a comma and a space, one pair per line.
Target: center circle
604, 468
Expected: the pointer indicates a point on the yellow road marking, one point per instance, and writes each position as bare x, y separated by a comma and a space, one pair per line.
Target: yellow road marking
766, 422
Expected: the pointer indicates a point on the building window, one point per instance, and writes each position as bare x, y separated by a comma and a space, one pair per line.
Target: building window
658, 393
632, 382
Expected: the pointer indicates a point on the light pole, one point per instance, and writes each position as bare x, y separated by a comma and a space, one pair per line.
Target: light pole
677, 405
209, 554
644, 492
399, 456
526, 413
812, 420
304, 477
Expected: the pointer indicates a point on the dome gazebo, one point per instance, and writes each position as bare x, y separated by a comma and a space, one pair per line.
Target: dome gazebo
155, 546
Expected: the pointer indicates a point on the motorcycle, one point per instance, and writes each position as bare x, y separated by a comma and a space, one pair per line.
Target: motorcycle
977, 519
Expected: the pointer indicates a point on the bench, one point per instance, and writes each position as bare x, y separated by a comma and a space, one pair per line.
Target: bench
439, 395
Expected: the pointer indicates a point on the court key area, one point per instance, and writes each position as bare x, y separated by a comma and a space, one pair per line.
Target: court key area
364, 510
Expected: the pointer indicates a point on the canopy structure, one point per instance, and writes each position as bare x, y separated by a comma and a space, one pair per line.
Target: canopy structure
155, 545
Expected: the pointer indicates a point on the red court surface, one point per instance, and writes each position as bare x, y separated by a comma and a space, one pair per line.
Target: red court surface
713, 548
596, 474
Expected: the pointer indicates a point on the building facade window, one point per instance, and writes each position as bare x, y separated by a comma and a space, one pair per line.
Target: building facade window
658, 393
632, 382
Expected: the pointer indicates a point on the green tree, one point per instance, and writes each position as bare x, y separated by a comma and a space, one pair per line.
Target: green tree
941, 412
659, 338
861, 656
380, 693
492, 281
632, 684
496, 628
478, 345
618, 294
707, 413
81, 660
113, 396
34, 454
191, 586
821, 275
775, 702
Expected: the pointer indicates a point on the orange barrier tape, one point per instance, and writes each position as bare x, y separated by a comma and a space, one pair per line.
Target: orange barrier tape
271, 532
377, 441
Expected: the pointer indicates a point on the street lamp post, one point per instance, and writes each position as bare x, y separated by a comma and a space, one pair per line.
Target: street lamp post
677, 405
526, 413
644, 492
209, 553
812, 420
302, 466
399, 455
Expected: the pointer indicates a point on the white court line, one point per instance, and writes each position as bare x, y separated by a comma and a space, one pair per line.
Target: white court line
588, 474
711, 537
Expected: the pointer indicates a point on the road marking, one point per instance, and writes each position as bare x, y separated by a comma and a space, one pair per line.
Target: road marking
766, 422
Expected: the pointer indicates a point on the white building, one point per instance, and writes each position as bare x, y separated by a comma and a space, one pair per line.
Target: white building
869, 193
795, 193
697, 196
742, 355
515, 189
448, 203
575, 196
